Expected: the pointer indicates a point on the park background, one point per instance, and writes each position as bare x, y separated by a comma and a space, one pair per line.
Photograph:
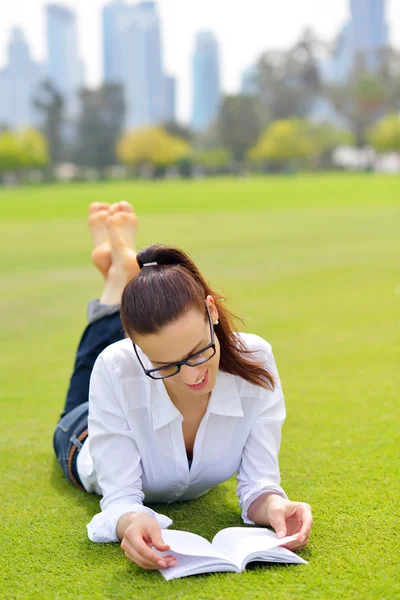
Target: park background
287, 196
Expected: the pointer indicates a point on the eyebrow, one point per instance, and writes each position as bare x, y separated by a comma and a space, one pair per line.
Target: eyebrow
156, 362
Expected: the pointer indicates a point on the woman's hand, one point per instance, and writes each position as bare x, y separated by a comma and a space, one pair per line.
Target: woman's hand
289, 518
140, 536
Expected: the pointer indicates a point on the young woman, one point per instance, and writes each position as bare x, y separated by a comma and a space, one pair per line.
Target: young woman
166, 400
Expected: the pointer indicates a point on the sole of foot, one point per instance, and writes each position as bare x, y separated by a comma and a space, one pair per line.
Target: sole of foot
101, 254
121, 224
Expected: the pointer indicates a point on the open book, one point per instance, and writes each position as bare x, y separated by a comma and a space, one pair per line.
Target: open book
230, 550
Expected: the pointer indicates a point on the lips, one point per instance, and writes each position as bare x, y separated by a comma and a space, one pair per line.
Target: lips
201, 385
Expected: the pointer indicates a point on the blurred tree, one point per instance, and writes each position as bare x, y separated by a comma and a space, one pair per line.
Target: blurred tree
361, 100
10, 152
239, 124
389, 76
178, 130
99, 126
289, 81
51, 104
326, 138
284, 142
34, 149
152, 145
21, 150
384, 136
212, 159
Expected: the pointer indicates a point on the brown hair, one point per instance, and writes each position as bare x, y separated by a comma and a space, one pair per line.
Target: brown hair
160, 294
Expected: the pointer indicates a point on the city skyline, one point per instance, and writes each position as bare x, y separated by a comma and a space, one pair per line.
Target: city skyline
239, 47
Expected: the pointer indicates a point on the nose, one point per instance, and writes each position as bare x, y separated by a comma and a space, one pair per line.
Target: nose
190, 374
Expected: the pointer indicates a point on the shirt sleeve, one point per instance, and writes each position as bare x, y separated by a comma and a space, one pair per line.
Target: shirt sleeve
115, 457
259, 469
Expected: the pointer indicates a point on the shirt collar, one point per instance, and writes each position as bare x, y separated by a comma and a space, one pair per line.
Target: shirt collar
224, 400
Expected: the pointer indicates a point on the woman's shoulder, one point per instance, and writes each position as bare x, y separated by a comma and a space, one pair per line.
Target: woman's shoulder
255, 343
120, 360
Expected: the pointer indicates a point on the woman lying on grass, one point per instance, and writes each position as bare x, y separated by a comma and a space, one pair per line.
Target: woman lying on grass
175, 406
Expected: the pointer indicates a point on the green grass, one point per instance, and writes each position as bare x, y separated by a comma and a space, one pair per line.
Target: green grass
312, 263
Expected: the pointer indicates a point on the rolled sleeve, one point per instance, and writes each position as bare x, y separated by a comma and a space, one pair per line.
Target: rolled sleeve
259, 468
103, 526
115, 456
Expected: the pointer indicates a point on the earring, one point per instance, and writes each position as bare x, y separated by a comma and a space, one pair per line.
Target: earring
216, 322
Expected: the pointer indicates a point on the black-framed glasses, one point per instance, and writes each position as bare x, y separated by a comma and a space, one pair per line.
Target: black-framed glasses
194, 360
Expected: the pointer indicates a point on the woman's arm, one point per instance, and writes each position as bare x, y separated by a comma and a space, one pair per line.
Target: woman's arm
115, 456
262, 499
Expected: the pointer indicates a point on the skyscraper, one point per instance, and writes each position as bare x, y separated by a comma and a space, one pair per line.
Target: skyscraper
370, 31
19, 81
64, 67
133, 57
115, 16
206, 80
363, 36
170, 98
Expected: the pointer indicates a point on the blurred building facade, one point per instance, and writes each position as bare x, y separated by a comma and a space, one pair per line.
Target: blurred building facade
170, 98
133, 57
19, 81
363, 37
206, 80
64, 67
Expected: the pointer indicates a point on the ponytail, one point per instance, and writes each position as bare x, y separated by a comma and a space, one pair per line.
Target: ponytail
167, 286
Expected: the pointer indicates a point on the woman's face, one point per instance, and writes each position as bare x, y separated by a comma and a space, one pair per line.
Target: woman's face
175, 342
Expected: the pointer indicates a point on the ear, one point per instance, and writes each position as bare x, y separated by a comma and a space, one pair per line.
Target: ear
212, 308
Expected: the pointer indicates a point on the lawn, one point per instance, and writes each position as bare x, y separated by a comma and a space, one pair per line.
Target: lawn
312, 264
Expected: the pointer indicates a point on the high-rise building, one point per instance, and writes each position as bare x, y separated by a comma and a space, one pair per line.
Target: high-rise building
133, 57
170, 98
19, 82
363, 36
64, 66
370, 31
115, 16
206, 80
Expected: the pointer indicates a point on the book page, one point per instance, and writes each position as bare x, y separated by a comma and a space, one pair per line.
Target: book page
194, 555
242, 543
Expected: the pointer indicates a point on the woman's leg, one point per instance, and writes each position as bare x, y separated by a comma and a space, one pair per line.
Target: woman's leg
113, 230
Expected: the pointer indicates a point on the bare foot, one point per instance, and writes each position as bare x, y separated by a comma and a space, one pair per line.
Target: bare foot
101, 255
121, 224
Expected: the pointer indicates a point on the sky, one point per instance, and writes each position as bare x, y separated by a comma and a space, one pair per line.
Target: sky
244, 29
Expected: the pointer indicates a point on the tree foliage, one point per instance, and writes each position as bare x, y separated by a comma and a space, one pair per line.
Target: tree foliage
99, 126
289, 80
240, 122
151, 145
385, 135
212, 158
283, 141
51, 104
20, 150
294, 139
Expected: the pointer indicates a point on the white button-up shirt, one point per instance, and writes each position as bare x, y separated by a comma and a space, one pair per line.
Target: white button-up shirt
135, 451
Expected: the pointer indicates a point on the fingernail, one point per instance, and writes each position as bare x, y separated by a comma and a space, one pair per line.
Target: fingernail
162, 563
281, 534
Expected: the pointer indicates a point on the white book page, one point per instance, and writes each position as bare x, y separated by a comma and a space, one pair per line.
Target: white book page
242, 544
194, 555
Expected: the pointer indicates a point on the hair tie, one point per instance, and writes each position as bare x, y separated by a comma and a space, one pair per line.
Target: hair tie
150, 264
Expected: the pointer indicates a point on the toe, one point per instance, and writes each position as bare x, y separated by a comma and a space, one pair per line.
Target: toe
97, 206
114, 208
125, 206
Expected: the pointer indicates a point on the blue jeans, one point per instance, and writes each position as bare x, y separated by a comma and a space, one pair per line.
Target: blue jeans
71, 431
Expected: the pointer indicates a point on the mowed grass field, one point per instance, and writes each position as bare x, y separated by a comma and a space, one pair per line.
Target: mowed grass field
312, 264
